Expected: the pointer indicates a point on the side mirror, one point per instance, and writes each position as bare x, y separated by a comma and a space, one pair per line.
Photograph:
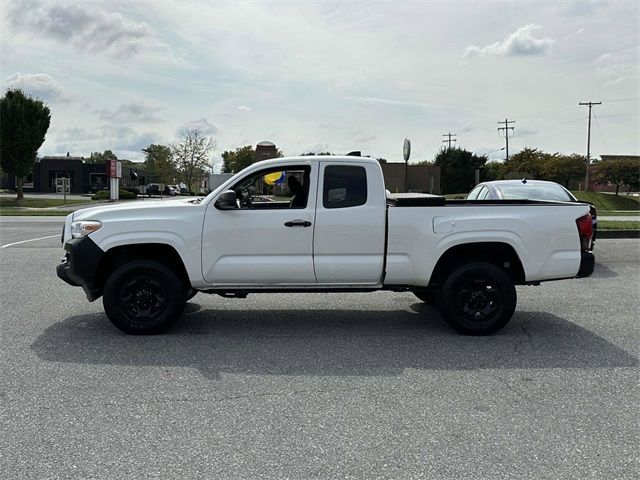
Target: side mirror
226, 201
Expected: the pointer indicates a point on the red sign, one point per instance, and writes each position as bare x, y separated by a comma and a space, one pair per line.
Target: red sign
114, 169
111, 168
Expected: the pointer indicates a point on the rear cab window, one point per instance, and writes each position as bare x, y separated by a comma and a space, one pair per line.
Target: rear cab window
344, 186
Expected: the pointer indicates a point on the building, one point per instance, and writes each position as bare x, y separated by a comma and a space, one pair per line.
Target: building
420, 178
265, 151
49, 173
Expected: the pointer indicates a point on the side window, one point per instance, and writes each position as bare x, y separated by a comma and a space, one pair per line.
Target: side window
344, 186
274, 188
483, 193
473, 195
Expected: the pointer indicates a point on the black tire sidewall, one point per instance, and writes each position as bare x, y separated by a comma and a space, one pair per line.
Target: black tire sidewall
174, 290
449, 305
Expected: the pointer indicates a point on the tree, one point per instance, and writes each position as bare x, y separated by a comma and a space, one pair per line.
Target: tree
620, 172
235, 160
192, 156
563, 168
97, 157
527, 163
457, 169
310, 154
159, 164
491, 171
24, 122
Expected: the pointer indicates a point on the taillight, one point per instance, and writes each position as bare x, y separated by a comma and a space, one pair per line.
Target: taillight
585, 231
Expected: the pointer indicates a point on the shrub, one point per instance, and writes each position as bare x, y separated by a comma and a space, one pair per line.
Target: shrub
124, 195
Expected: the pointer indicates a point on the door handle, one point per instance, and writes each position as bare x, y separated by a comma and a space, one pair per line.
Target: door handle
297, 223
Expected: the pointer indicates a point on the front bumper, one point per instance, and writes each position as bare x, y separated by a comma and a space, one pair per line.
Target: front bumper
587, 264
79, 267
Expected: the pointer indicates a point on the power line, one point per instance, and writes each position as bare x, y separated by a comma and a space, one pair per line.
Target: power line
506, 129
450, 139
586, 175
600, 132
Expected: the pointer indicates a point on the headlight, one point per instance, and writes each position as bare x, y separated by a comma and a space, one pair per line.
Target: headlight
84, 227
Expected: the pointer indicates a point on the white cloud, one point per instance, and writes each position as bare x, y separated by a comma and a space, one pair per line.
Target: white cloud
617, 67
40, 85
520, 42
131, 113
243, 108
202, 124
90, 29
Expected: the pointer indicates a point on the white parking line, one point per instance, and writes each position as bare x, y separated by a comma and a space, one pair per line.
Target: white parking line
30, 240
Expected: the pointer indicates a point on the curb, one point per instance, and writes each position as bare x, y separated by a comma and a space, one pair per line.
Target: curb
618, 234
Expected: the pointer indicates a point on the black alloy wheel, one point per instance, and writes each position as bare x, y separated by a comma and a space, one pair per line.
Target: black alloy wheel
478, 298
143, 297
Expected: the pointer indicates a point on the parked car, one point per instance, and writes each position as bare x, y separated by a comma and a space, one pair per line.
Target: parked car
529, 190
153, 189
173, 190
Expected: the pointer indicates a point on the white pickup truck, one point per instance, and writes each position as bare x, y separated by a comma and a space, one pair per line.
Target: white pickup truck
321, 224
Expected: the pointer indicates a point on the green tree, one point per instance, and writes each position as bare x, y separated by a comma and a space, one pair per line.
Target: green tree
235, 160
159, 164
97, 157
192, 156
620, 172
24, 122
563, 168
527, 163
491, 171
457, 169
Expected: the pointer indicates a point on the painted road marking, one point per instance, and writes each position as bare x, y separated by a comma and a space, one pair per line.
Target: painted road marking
30, 240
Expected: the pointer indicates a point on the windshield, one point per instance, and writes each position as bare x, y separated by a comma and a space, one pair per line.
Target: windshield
534, 192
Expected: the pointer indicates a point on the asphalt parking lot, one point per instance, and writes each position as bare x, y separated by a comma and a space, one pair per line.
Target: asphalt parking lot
317, 385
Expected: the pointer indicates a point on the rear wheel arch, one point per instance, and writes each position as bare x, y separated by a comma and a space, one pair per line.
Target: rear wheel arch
500, 254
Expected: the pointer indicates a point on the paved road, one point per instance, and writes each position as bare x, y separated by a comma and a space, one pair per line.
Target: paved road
317, 385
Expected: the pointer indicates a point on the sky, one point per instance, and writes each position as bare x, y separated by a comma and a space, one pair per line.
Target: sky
328, 76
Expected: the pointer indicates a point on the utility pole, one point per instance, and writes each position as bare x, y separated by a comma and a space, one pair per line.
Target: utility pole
586, 175
450, 139
506, 129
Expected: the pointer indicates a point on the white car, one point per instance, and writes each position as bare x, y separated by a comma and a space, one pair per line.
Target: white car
333, 229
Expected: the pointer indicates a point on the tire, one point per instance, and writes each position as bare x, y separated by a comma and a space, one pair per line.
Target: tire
191, 292
478, 299
143, 297
428, 297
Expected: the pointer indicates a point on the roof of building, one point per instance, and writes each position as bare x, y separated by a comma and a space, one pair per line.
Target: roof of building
266, 144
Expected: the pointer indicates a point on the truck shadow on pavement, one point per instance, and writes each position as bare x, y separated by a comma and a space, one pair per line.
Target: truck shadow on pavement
602, 271
329, 342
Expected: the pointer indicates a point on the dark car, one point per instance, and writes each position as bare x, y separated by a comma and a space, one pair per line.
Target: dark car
153, 189
528, 190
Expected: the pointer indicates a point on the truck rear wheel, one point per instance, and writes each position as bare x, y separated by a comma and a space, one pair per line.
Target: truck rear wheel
478, 298
143, 297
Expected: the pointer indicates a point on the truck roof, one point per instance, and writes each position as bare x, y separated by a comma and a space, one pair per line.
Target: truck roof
322, 158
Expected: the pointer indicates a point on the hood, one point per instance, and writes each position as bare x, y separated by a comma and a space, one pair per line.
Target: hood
132, 208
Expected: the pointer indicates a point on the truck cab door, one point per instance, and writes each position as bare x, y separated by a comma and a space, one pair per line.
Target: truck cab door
268, 239
350, 224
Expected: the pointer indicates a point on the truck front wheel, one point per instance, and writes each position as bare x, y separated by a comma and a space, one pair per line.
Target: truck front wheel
478, 298
143, 297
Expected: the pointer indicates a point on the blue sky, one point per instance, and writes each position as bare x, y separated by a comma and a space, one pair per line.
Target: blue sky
316, 76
